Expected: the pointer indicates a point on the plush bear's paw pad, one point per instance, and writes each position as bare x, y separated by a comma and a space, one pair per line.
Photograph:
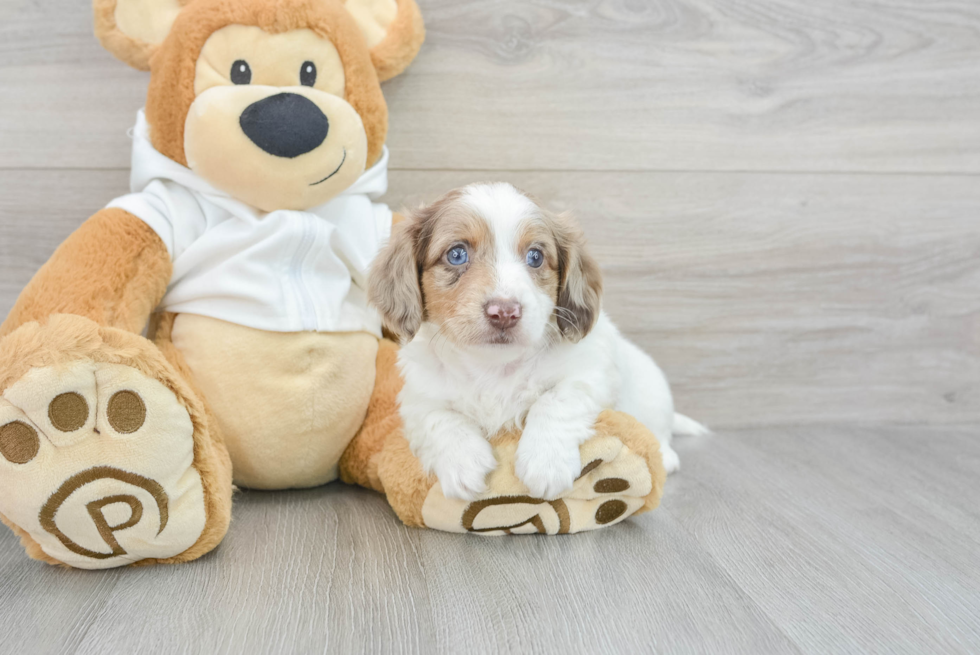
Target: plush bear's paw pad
613, 484
96, 465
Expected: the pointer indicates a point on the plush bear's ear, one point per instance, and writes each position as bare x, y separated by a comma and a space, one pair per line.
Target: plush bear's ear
393, 30
132, 29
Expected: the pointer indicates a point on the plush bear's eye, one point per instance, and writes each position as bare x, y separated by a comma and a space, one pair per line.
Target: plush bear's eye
307, 73
240, 72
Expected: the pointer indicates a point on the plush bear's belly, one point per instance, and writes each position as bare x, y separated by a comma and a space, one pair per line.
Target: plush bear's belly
287, 404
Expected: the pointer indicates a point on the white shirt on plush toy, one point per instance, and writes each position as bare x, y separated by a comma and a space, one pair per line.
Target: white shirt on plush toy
281, 271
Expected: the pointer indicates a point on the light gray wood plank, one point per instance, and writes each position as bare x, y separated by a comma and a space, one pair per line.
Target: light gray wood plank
332, 570
812, 539
833, 304
782, 299
45, 609
326, 570
835, 537
598, 592
585, 84
38, 210
767, 299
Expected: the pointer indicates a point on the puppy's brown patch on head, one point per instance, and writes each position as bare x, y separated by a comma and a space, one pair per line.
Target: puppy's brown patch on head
414, 280
537, 233
454, 294
579, 297
395, 285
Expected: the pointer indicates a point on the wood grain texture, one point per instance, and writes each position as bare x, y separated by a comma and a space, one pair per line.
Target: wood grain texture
764, 85
768, 299
785, 200
820, 539
863, 552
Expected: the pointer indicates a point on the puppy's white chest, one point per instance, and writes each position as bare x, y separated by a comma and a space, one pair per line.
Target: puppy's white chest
501, 401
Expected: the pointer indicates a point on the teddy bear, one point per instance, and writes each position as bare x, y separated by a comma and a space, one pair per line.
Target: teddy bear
210, 330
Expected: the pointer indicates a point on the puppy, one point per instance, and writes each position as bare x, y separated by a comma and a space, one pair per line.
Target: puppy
498, 306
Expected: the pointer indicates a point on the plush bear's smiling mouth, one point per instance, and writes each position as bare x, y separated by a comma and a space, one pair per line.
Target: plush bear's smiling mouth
335, 171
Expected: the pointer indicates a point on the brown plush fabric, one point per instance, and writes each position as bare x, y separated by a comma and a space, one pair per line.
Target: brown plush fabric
637, 438
33, 549
379, 457
113, 270
171, 89
63, 339
420, 503
406, 484
359, 464
402, 42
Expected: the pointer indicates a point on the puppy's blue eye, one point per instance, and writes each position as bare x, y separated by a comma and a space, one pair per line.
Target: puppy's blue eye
457, 256
534, 258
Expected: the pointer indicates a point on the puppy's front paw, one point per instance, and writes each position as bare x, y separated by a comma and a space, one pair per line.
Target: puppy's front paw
547, 470
462, 470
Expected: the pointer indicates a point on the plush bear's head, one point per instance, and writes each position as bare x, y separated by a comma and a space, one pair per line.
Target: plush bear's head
276, 102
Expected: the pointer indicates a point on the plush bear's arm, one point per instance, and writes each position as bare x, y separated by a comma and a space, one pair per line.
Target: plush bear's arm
113, 270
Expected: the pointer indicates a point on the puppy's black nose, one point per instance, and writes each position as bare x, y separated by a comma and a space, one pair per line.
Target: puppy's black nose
503, 314
285, 125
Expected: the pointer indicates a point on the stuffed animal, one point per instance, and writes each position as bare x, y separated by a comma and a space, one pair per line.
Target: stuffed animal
241, 255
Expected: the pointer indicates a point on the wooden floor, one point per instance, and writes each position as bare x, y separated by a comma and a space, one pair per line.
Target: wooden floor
785, 198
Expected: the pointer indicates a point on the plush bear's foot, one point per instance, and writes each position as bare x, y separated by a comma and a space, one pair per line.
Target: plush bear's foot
615, 483
622, 474
97, 458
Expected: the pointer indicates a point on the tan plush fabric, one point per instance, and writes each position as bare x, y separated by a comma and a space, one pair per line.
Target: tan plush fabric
214, 137
31, 547
617, 482
171, 89
379, 458
108, 450
106, 474
83, 390
287, 404
211, 457
373, 17
146, 21
402, 42
113, 270
83, 482
623, 474
132, 29
273, 59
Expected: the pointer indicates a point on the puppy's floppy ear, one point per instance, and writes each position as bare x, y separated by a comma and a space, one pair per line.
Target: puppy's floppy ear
579, 281
393, 286
133, 29
393, 30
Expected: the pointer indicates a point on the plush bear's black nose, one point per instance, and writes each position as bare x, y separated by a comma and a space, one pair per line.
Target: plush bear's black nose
285, 125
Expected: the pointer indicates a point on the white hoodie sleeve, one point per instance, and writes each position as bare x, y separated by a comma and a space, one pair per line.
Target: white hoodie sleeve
170, 210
